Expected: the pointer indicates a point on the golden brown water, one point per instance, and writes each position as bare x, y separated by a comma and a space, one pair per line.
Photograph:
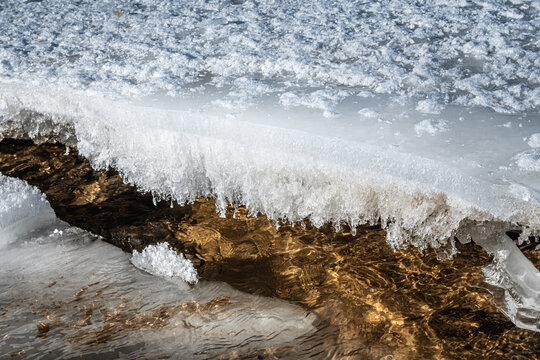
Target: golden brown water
374, 303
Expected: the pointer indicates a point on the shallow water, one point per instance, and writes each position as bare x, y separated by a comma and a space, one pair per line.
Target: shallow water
370, 300
66, 294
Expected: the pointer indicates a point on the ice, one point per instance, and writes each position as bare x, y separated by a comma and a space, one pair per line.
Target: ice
529, 160
419, 116
534, 140
23, 209
296, 163
438, 53
515, 280
369, 113
161, 260
430, 127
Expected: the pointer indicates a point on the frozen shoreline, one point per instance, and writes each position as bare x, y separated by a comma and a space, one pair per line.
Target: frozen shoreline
421, 191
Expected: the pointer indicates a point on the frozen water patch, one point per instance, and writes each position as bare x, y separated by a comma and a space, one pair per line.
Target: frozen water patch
161, 260
23, 209
529, 160
430, 127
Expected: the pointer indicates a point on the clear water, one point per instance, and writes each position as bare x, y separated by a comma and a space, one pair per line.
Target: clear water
66, 294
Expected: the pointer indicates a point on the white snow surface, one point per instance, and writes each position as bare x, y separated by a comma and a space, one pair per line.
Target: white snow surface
161, 260
534, 140
468, 52
529, 160
430, 127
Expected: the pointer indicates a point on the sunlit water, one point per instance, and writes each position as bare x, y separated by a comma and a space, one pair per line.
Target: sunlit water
66, 294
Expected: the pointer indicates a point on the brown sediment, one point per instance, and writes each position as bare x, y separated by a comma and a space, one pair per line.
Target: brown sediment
42, 329
382, 302
112, 321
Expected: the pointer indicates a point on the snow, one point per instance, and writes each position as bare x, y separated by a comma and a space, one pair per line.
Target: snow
534, 140
430, 127
476, 52
296, 163
529, 160
161, 260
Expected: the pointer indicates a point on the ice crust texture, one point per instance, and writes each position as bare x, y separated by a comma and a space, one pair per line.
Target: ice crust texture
439, 52
23, 209
161, 260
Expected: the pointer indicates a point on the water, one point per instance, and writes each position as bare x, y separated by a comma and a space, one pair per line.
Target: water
422, 118
66, 294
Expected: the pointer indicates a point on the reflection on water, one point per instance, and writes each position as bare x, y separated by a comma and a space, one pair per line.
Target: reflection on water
69, 295
398, 304
365, 301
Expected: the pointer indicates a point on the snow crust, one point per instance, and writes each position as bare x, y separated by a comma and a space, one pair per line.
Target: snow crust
430, 127
287, 174
161, 260
529, 160
534, 140
272, 161
476, 52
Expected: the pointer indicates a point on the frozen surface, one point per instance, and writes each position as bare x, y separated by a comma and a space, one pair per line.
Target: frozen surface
422, 116
430, 127
418, 115
296, 164
534, 140
93, 303
161, 260
23, 209
437, 53
515, 282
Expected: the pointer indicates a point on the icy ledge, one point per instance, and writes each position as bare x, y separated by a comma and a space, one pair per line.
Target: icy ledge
282, 172
286, 173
